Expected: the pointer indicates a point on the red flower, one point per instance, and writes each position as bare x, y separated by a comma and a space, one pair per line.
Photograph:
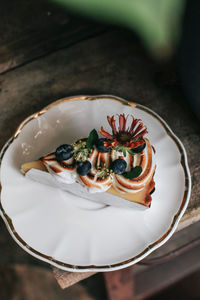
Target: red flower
127, 137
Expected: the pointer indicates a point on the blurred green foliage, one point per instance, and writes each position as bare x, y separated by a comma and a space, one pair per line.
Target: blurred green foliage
157, 22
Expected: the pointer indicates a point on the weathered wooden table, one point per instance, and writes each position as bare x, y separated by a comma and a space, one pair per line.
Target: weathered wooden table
46, 54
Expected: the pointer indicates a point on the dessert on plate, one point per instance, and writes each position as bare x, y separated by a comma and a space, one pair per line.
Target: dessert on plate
120, 163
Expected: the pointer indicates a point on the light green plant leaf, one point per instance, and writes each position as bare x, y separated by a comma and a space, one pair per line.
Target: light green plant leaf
157, 22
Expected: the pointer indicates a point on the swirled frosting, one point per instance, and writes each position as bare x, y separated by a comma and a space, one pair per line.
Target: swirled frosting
65, 171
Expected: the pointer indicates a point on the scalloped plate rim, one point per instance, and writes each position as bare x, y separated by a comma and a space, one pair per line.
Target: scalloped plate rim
150, 248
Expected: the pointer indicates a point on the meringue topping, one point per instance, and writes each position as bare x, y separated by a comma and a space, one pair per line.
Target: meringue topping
94, 182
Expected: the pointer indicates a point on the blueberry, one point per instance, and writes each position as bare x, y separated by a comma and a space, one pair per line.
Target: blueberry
100, 145
119, 166
83, 167
63, 152
139, 148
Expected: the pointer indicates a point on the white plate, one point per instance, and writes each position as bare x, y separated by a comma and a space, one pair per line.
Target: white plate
76, 234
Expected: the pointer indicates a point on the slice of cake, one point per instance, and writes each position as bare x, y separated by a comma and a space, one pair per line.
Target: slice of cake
121, 163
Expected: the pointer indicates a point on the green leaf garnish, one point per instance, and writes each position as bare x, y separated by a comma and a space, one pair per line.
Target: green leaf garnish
92, 139
133, 173
124, 152
117, 148
130, 151
124, 149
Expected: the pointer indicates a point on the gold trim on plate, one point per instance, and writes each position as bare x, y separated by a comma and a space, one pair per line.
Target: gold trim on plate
152, 246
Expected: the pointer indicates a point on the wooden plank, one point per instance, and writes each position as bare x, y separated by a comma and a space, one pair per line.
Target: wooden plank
159, 277
20, 281
47, 29
67, 279
189, 218
120, 284
43, 43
